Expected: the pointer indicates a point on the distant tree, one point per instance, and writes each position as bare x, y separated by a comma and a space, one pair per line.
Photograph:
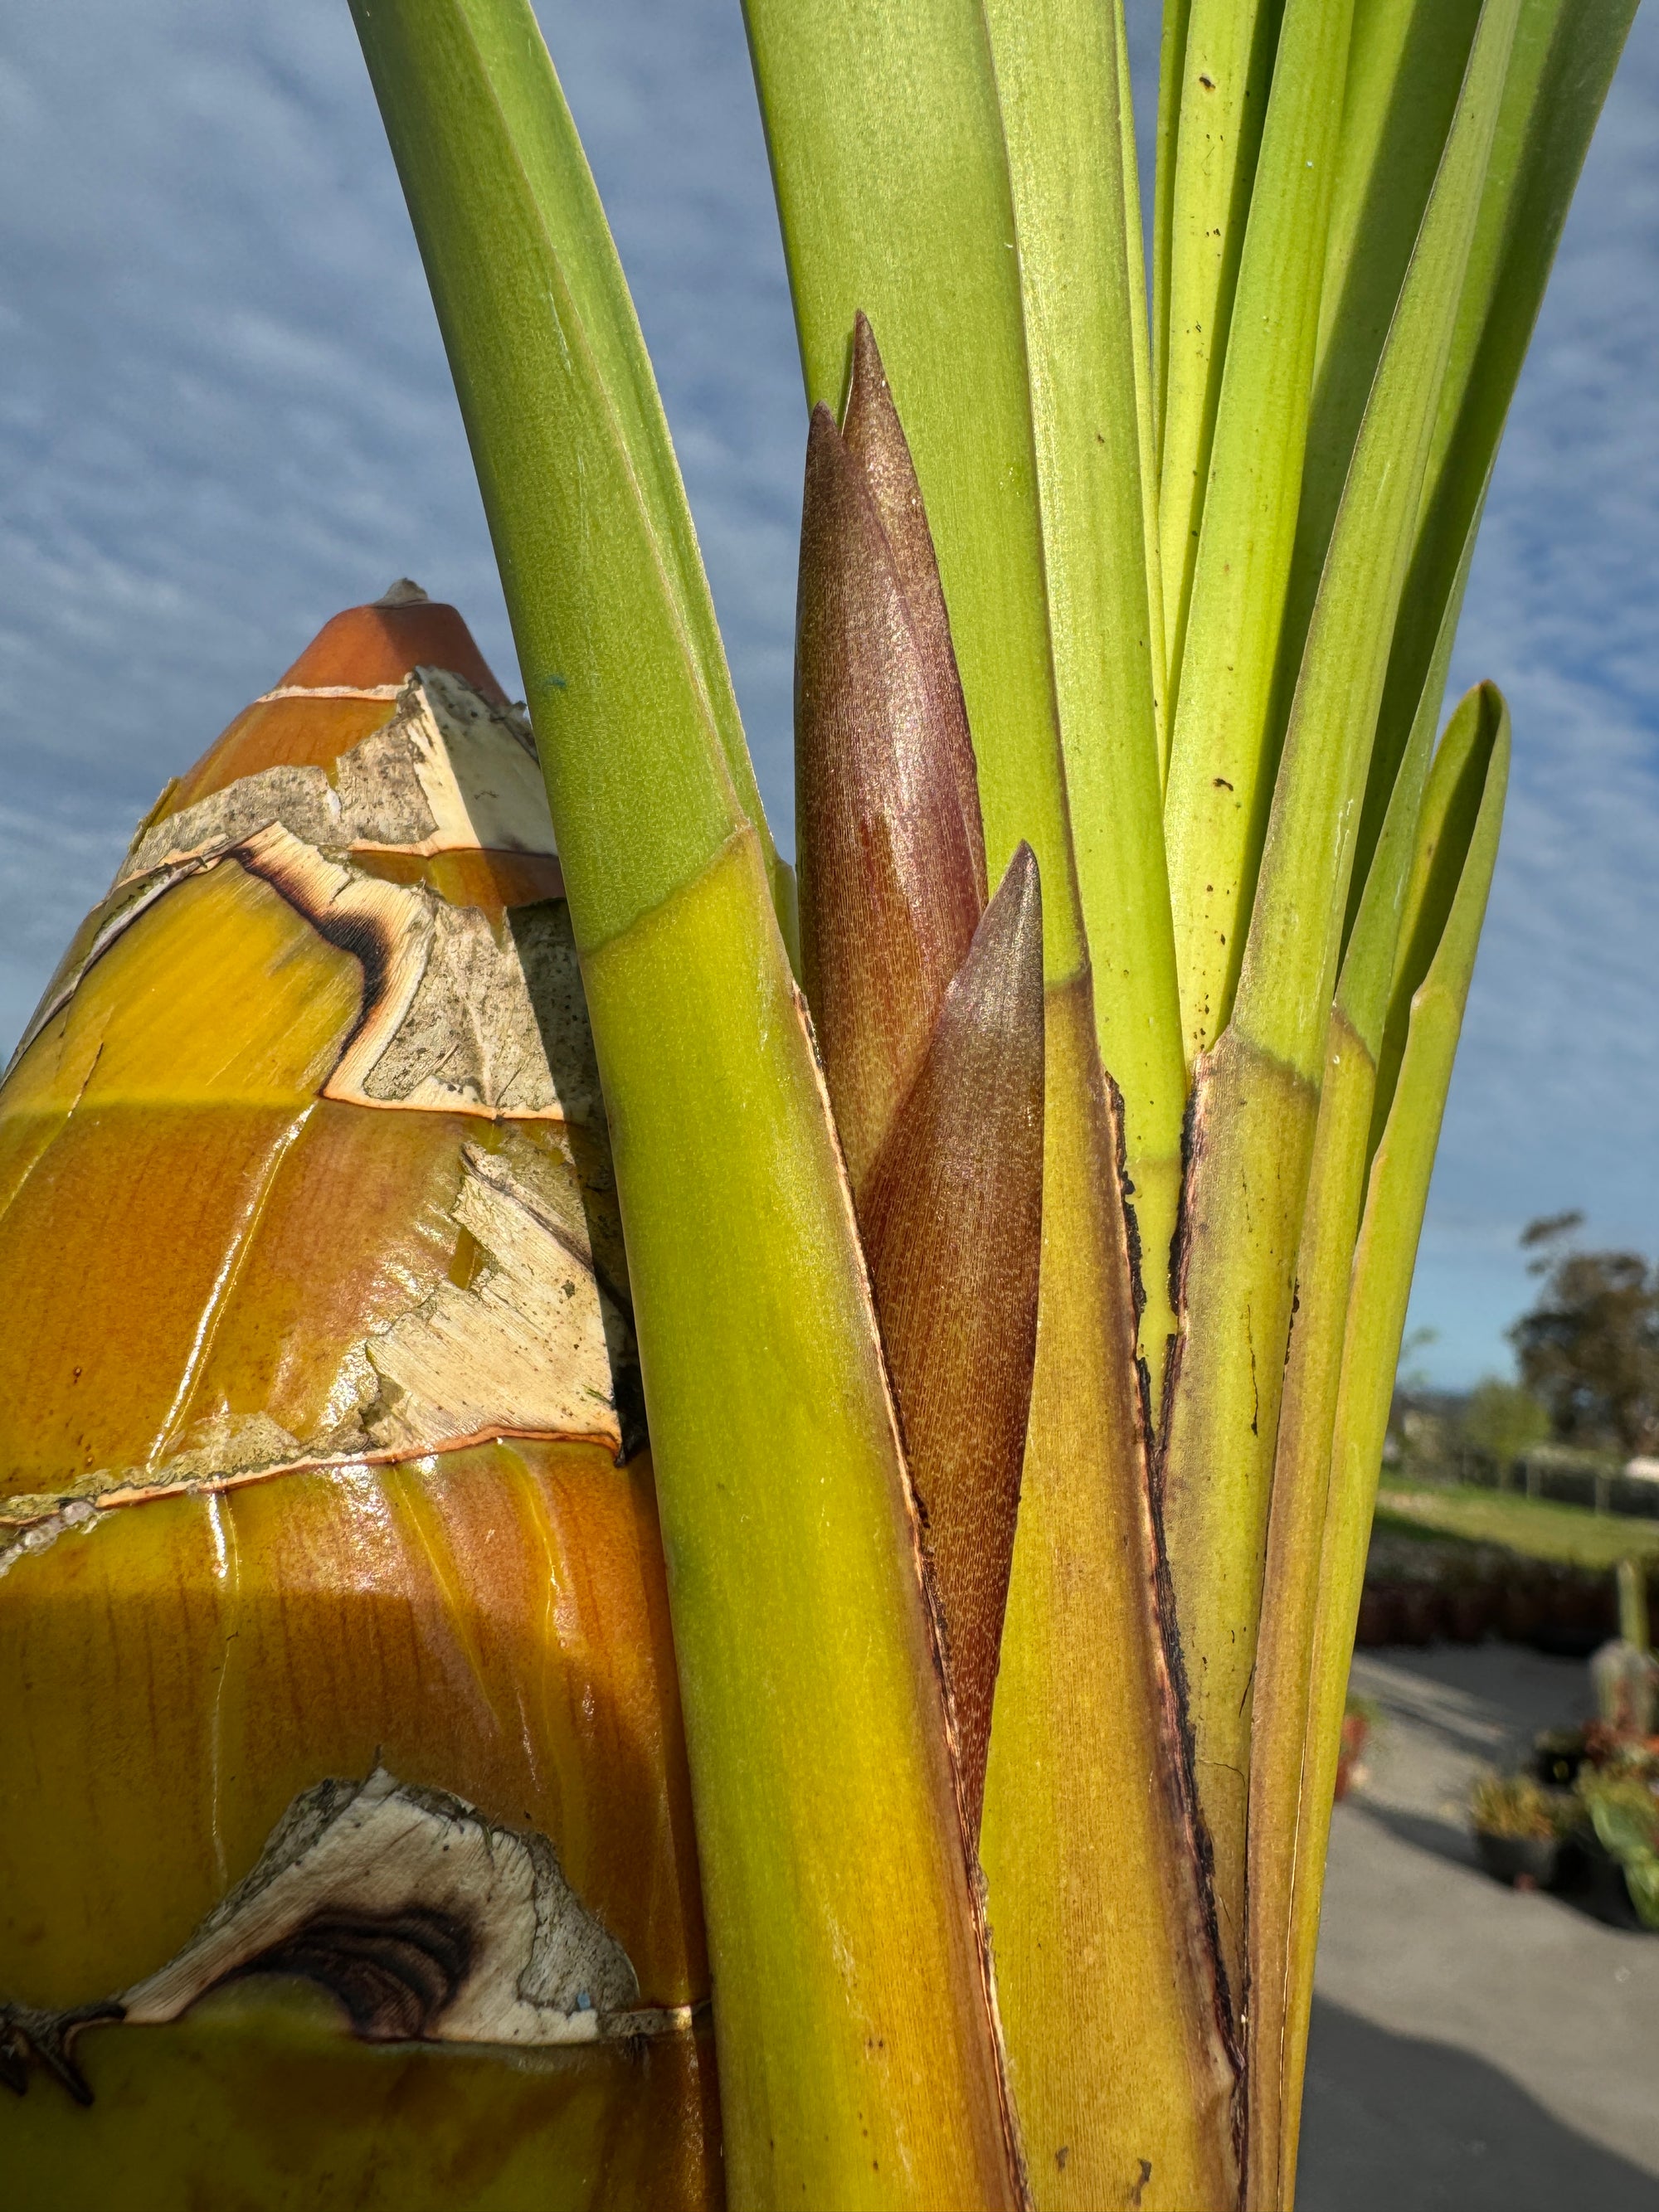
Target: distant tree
1414, 1380
1504, 1419
1589, 1348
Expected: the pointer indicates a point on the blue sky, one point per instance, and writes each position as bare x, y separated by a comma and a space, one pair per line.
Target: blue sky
224, 413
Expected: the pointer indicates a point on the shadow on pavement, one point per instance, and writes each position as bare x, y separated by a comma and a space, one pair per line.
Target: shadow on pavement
1454, 1844
1589, 1879
1484, 1700
1395, 2125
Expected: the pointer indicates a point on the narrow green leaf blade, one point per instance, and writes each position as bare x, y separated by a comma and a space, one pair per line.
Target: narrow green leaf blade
615, 686
1405, 71
1565, 53
1416, 832
836, 1877
1064, 113
1387, 863
1385, 1260
1249, 1150
1226, 63
1256, 1097
1145, 393
1451, 812
1408, 63
1289, 961
1336, 1190
557, 175
1221, 755
1171, 74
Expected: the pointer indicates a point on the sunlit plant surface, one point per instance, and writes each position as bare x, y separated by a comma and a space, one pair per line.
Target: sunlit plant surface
1014, 1216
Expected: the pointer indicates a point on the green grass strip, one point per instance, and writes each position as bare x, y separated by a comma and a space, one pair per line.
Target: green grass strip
1536, 1528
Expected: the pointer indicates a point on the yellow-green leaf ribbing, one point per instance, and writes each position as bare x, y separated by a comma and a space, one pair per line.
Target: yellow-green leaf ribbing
1256, 1095
859, 2057
1221, 758
1208, 155
1416, 831
1065, 109
1397, 1193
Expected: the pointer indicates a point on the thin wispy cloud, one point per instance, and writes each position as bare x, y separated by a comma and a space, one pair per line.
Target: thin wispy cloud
224, 412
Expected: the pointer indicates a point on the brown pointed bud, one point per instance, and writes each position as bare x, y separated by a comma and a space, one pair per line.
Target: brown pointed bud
891, 886
875, 437
952, 1220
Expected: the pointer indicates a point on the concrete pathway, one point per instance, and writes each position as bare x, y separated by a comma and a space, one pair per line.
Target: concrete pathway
1474, 2049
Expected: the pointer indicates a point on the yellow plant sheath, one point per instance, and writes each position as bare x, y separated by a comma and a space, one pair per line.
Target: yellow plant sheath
1094, 1895
328, 1545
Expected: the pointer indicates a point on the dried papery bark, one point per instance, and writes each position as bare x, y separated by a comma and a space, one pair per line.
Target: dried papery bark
422, 1920
330, 1583
952, 1222
891, 879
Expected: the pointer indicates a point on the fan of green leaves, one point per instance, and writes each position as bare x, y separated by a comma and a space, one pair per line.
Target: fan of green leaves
1203, 546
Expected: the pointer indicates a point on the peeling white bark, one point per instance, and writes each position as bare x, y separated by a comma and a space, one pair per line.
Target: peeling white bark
448, 773
475, 1036
488, 1941
529, 1343
456, 1018
427, 1922
459, 1015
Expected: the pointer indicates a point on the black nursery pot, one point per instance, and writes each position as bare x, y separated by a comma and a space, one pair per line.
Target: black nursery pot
1520, 1611
1510, 1859
1592, 1878
1557, 1758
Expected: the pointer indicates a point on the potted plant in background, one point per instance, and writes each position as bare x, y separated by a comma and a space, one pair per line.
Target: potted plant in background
1586, 1818
1518, 1825
1618, 1836
1625, 1671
